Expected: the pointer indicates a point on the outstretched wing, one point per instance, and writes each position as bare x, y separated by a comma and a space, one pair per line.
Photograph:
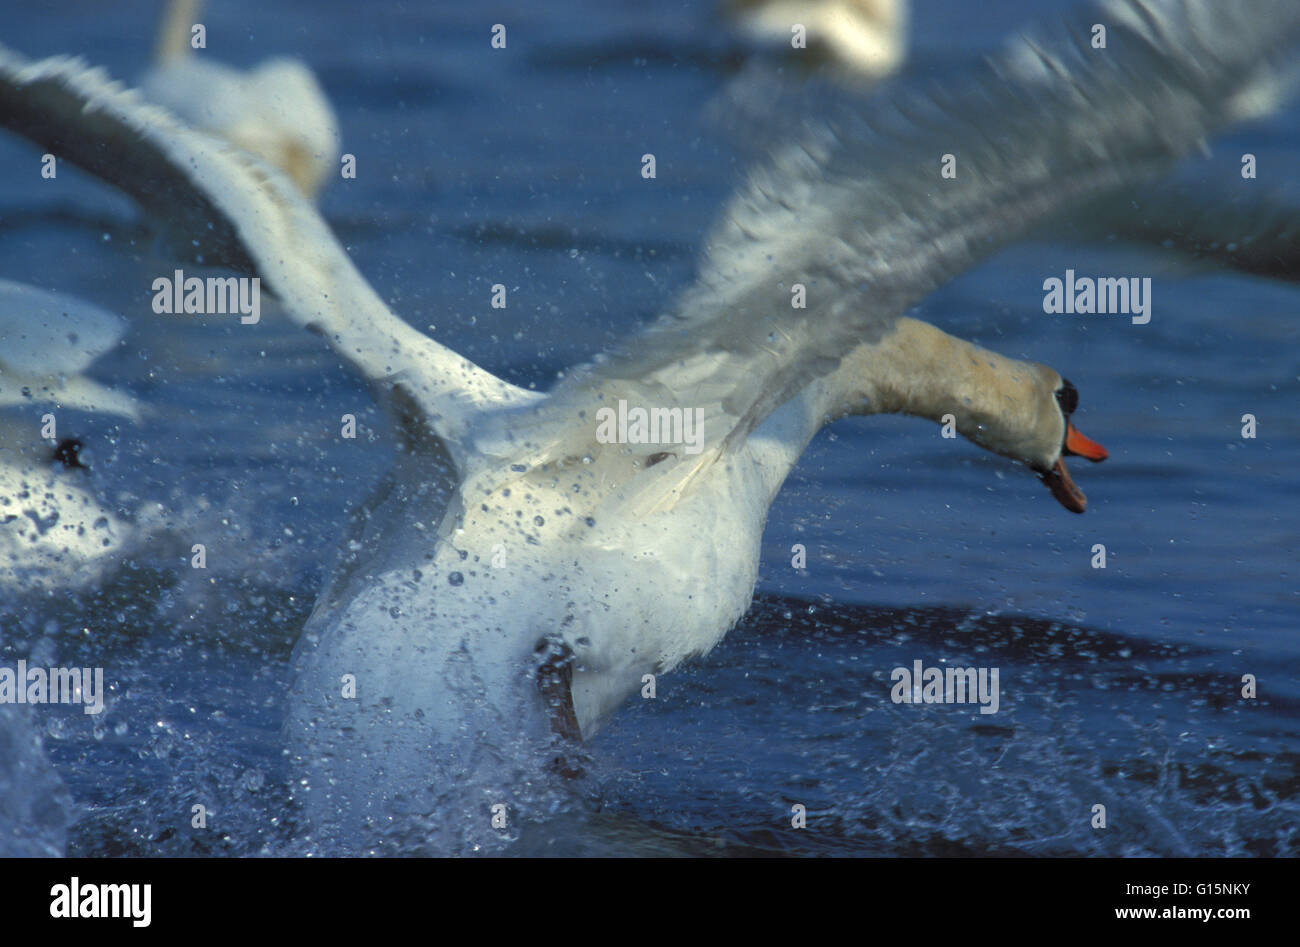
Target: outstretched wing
1251, 228
858, 213
239, 211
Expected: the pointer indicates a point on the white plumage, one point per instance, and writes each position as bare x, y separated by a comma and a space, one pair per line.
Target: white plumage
55, 531
276, 110
510, 547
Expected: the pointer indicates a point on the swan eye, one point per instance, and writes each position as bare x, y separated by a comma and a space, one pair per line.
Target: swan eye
1067, 396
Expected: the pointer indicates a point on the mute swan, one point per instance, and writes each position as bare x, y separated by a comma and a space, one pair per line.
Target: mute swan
276, 110
517, 576
54, 532
866, 36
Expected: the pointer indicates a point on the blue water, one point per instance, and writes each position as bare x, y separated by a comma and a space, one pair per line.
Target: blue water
1120, 686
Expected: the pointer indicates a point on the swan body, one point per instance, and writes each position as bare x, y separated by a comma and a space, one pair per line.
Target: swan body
865, 36
54, 531
516, 576
563, 561
276, 110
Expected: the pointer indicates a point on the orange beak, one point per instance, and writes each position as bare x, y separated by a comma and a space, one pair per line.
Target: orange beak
1058, 478
1076, 443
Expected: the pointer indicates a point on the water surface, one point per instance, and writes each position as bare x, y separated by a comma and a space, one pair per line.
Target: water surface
1119, 686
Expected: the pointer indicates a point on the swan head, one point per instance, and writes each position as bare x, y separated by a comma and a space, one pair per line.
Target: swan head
1064, 440
1019, 410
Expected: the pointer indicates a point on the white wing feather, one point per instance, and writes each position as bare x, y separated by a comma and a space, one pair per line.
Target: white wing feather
857, 212
236, 209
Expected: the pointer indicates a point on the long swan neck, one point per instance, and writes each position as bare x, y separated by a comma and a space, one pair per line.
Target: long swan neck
1000, 403
1004, 405
174, 34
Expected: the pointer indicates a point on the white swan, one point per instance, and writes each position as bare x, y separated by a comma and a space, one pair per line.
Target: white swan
516, 576
868, 37
54, 531
277, 110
